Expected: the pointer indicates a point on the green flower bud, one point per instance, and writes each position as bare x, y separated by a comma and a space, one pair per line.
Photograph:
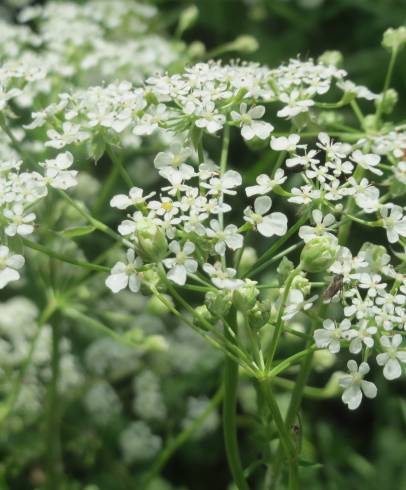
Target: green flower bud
219, 303
244, 44
187, 18
334, 58
323, 359
318, 254
245, 297
259, 315
329, 118
394, 38
375, 255
196, 50
302, 283
370, 122
151, 241
203, 312
387, 100
248, 259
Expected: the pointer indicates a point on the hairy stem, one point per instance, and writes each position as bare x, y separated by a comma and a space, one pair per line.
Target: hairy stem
229, 417
54, 455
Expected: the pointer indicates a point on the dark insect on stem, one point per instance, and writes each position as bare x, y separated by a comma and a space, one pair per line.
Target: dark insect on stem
334, 287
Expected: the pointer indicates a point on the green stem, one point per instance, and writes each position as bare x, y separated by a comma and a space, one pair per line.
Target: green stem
298, 390
181, 439
278, 327
93, 221
388, 78
119, 164
271, 251
106, 189
284, 436
54, 453
229, 417
63, 258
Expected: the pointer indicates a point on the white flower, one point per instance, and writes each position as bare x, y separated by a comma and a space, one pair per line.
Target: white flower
228, 236
20, 223
294, 105
369, 161
334, 150
362, 335
123, 275
283, 143
393, 221
182, 264
303, 160
209, 118
296, 303
224, 184
270, 224
304, 194
56, 172
354, 385
222, 278
134, 198
330, 335
371, 282
391, 357
173, 161
250, 128
367, 198
71, 133
266, 183
9, 266
307, 233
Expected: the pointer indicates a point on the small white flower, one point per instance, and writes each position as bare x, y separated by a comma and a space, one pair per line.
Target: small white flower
283, 143
362, 335
9, 266
250, 127
391, 357
134, 198
56, 172
266, 224
222, 278
209, 118
182, 265
228, 236
266, 183
71, 133
123, 275
20, 224
394, 221
303, 160
304, 195
369, 161
173, 161
371, 282
322, 224
294, 105
224, 184
355, 386
331, 335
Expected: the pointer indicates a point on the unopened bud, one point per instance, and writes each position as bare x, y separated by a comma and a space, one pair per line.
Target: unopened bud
245, 297
151, 241
394, 38
219, 303
331, 58
387, 100
318, 254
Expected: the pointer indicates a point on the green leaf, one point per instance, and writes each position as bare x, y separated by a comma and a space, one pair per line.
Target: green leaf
77, 231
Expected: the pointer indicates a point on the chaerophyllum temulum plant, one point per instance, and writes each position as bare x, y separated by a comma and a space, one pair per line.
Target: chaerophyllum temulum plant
243, 259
